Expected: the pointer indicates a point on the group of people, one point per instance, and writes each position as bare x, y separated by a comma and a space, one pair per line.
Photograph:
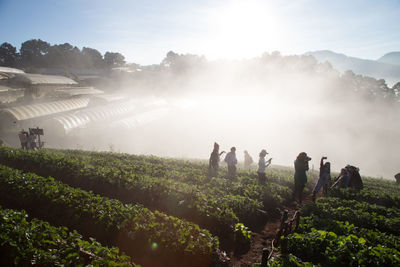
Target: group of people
28, 140
231, 161
349, 176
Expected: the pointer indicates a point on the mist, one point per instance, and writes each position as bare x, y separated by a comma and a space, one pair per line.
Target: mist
285, 105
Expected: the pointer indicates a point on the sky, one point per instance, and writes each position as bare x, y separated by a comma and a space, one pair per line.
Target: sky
144, 31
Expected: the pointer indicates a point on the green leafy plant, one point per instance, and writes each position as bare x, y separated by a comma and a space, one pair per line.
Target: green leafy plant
242, 234
35, 242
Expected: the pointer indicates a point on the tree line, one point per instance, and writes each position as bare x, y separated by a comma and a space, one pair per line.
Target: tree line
182, 68
36, 53
270, 66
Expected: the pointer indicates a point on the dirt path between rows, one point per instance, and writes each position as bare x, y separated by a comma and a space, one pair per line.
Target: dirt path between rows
263, 238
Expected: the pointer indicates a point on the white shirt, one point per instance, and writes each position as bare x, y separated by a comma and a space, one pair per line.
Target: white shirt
262, 165
230, 158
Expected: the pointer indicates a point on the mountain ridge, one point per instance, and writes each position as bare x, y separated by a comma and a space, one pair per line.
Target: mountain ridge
391, 58
378, 69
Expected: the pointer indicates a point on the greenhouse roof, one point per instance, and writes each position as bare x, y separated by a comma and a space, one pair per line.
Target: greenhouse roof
37, 79
38, 110
10, 70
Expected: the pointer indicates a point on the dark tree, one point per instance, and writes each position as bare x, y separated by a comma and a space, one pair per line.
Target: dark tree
8, 55
114, 59
93, 58
170, 60
396, 89
179, 63
33, 52
64, 56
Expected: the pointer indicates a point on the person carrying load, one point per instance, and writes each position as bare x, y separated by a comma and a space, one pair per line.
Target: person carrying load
343, 180
349, 177
355, 178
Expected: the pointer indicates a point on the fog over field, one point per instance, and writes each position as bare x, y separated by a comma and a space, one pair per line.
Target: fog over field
221, 81
252, 105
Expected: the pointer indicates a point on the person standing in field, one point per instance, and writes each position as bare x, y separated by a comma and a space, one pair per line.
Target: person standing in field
324, 178
248, 160
355, 180
214, 161
262, 165
397, 177
300, 176
231, 161
32, 141
23, 138
343, 180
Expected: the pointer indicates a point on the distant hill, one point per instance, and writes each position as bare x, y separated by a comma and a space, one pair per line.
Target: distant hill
391, 58
378, 69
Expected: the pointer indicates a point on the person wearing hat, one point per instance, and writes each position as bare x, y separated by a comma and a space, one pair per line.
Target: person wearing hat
300, 176
214, 161
262, 165
231, 161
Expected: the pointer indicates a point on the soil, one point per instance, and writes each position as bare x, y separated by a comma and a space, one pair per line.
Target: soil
263, 238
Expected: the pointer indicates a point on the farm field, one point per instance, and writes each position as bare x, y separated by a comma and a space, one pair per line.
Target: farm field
117, 209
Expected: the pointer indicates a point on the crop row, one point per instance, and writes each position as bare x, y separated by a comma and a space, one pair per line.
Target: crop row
34, 242
183, 170
133, 228
379, 197
372, 237
175, 198
365, 207
286, 260
140, 165
338, 232
330, 249
358, 216
193, 173
209, 205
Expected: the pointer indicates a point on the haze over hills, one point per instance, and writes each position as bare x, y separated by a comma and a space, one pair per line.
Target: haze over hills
391, 58
383, 68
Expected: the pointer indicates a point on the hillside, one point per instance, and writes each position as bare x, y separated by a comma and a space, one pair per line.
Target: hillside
379, 69
391, 58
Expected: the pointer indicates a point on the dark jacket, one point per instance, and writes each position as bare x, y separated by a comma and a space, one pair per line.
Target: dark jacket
214, 158
300, 168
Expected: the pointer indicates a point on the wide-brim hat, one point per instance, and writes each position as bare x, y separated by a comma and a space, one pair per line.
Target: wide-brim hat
264, 152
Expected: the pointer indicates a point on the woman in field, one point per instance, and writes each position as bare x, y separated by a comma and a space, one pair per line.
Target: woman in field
300, 177
262, 165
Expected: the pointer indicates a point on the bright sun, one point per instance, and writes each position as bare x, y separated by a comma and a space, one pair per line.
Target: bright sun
244, 28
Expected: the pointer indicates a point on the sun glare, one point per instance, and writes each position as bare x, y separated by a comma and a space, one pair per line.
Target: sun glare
245, 28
